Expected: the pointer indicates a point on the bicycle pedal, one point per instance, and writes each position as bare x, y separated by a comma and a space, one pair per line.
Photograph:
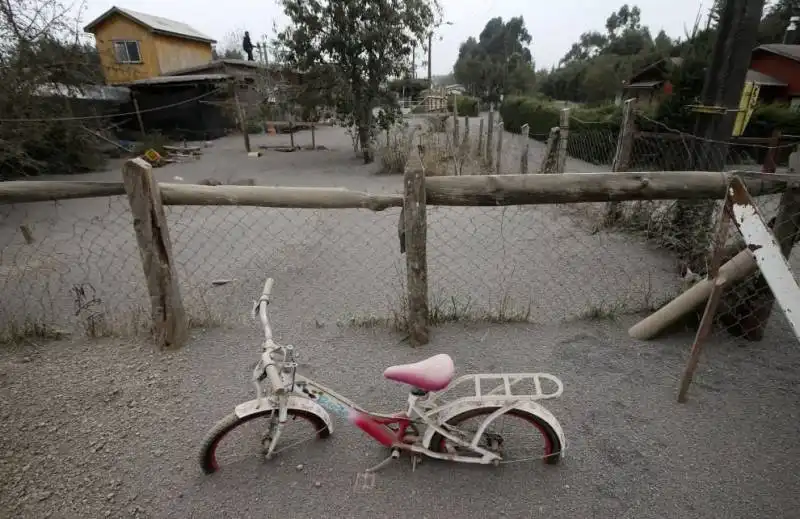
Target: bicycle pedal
364, 481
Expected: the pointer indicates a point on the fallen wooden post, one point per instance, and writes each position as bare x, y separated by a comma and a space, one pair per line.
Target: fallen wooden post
739, 267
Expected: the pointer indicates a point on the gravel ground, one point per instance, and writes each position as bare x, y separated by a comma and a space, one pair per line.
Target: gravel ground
111, 429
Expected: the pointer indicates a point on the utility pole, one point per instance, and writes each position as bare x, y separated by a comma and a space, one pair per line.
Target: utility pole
430, 44
737, 34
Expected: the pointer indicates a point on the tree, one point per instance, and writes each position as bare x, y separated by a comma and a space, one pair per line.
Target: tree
352, 48
595, 66
776, 19
498, 61
43, 64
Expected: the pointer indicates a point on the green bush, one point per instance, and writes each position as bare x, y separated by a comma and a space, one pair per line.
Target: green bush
593, 131
467, 105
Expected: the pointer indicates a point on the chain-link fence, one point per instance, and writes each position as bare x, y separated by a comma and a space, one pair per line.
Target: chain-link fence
70, 267
75, 265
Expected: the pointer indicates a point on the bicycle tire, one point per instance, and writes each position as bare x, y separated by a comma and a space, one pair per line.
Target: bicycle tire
553, 447
207, 458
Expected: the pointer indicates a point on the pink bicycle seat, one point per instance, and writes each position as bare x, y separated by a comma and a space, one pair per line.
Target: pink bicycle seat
431, 374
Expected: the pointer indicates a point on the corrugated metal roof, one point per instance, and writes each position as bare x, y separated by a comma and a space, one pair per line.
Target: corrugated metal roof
644, 84
117, 94
763, 79
781, 49
154, 23
194, 78
217, 63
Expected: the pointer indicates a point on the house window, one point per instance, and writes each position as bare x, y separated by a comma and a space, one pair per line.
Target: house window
127, 52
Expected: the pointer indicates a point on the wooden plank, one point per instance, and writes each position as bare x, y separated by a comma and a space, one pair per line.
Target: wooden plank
264, 196
24, 191
170, 325
767, 253
491, 190
702, 332
415, 227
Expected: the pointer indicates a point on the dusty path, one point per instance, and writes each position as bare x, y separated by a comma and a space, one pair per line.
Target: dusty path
110, 429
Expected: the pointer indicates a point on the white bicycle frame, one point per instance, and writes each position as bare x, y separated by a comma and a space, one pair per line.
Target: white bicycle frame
286, 389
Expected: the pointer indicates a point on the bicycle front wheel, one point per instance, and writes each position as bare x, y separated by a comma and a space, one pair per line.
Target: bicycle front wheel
516, 436
234, 439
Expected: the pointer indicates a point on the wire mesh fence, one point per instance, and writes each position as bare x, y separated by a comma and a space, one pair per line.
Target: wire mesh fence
75, 266
70, 267
340, 267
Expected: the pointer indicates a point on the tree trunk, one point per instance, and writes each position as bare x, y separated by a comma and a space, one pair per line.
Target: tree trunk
363, 139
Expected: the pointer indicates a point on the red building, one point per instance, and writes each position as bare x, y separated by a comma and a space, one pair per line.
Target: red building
778, 68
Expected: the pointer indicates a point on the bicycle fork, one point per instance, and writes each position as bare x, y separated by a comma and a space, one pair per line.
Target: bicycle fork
275, 430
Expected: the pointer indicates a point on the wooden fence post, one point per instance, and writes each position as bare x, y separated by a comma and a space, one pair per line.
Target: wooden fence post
480, 137
466, 132
170, 325
242, 120
622, 155
313, 135
525, 131
455, 121
415, 228
563, 138
499, 146
138, 115
549, 159
490, 137
770, 161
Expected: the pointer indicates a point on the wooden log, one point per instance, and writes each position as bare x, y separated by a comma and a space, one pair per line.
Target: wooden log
739, 267
264, 196
170, 325
491, 190
415, 227
24, 191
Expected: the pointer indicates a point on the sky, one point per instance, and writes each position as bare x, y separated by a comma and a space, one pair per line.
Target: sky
554, 24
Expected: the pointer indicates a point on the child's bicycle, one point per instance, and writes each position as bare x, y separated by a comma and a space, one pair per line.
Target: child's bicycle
434, 424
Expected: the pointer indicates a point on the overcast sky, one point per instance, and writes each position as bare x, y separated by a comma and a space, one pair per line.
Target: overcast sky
553, 24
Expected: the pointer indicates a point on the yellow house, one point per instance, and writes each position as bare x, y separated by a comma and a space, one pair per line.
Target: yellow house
139, 46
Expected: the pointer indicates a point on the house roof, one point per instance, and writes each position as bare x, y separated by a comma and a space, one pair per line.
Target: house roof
645, 84
787, 51
168, 80
155, 24
760, 78
665, 62
217, 63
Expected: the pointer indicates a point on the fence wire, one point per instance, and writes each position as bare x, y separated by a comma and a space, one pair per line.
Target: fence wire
340, 267
74, 266
70, 267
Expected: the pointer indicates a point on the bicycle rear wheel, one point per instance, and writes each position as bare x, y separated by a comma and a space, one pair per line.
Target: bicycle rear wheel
233, 439
530, 436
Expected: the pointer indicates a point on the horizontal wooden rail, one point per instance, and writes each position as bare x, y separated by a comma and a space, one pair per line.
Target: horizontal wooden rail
21, 191
287, 197
589, 187
470, 190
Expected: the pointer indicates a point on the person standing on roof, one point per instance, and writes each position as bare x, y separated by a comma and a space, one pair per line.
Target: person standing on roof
247, 46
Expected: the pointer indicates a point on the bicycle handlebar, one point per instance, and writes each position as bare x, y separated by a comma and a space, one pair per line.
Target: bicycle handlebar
262, 312
268, 287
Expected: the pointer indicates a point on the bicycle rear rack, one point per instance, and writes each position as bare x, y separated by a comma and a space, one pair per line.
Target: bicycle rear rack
504, 386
